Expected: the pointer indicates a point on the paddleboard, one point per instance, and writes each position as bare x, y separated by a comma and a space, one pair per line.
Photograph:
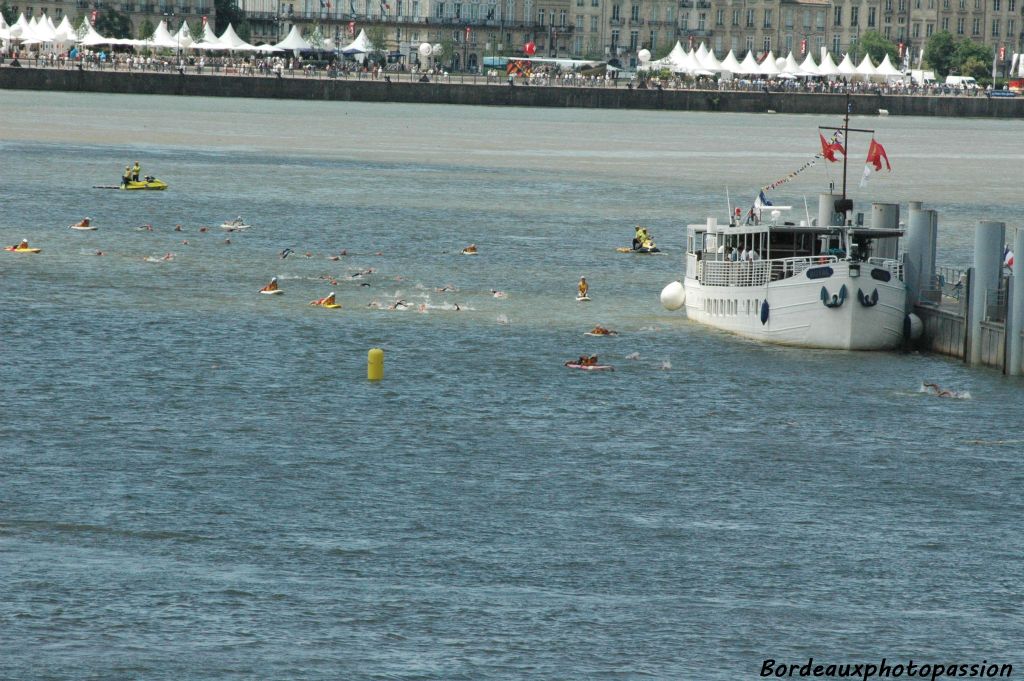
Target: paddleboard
582, 299
12, 249
331, 306
591, 367
613, 333
84, 228
469, 253
272, 293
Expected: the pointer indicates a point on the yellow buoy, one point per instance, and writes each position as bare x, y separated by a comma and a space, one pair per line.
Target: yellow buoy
375, 364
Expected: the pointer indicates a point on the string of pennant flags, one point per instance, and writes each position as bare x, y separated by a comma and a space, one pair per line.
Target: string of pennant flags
834, 140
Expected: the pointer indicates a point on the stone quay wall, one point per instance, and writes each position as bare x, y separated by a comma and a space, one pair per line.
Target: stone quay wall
480, 94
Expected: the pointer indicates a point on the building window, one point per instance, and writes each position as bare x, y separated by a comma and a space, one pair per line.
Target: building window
579, 22
653, 45
854, 16
750, 18
916, 30
750, 43
669, 14
888, 5
976, 26
634, 40
1010, 26
701, 19
945, 24
615, 12
787, 17
902, 6
593, 24
767, 18
540, 17
720, 17
767, 45
615, 40
1011, 5
820, 16
929, 28
634, 12
837, 42
440, 10
788, 42
563, 18
960, 26
995, 5
871, 17
837, 20
995, 27
807, 18
735, 17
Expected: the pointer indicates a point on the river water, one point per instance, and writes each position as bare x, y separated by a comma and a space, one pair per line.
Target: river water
199, 482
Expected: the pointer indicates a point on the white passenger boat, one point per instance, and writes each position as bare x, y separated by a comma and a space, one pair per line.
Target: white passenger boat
829, 285
834, 282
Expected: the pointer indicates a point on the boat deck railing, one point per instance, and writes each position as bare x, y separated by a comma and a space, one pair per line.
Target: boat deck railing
894, 266
756, 272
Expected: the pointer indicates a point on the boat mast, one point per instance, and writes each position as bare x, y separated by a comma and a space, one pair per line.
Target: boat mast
846, 130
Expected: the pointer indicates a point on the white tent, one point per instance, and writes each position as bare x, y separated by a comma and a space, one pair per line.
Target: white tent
673, 60
749, 66
209, 40
162, 37
866, 67
264, 47
91, 37
808, 67
730, 64
827, 67
65, 32
887, 70
231, 40
791, 67
360, 45
846, 67
710, 62
183, 36
701, 53
294, 41
769, 67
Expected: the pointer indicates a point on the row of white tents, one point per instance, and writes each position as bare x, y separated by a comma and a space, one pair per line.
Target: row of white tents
703, 62
41, 31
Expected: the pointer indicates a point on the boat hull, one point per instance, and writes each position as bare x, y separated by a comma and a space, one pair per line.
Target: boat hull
841, 312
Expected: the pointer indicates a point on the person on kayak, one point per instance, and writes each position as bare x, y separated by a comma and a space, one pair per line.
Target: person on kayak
601, 331
469, 249
126, 177
23, 244
583, 287
272, 286
136, 169
329, 300
84, 222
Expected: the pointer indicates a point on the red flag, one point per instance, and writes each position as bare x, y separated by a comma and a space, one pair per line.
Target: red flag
829, 149
876, 154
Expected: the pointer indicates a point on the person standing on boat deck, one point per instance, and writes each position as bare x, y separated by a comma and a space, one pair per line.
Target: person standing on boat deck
752, 255
126, 176
743, 254
136, 169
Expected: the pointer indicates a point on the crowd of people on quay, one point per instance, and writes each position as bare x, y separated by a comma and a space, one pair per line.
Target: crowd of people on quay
544, 76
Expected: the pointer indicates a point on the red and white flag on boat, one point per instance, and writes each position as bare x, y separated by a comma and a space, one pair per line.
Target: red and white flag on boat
829, 149
873, 164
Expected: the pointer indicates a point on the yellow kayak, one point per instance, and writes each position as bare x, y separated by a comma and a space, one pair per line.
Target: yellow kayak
15, 249
145, 184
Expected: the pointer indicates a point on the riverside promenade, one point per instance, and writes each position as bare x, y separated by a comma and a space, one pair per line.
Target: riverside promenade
481, 91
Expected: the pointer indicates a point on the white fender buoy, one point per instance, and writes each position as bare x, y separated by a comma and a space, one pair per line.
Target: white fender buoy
673, 296
913, 327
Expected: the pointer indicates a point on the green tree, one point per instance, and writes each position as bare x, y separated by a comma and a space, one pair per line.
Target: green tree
938, 53
113, 24
228, 12
146, 29
876, 45
972, 59
378, 39
447, 53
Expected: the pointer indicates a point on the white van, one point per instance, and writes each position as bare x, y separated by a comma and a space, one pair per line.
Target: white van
964, 82
922, 78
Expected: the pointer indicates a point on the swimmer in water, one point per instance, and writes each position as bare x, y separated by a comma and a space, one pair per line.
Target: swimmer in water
398, 304
498, 294
938, 391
